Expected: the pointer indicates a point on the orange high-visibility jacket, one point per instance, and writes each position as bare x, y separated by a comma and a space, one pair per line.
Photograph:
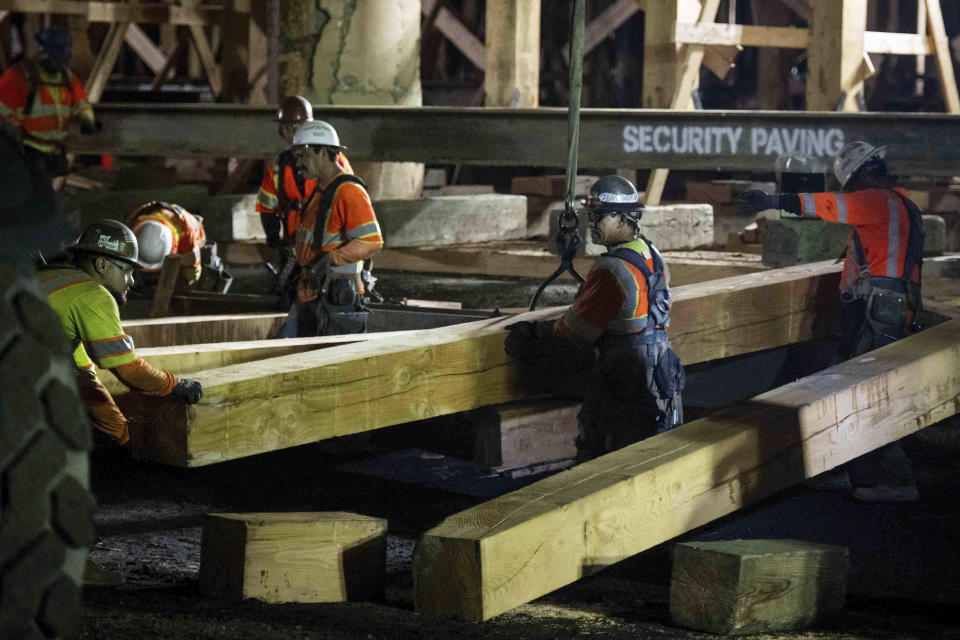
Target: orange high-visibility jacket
188, 237
268, 198
57, 98
882, 222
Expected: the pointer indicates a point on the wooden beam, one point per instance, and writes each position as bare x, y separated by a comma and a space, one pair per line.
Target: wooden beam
202, 46
162, 332
190, 358
355, 388
458, 35
904, 44
147, 12
170, 64
748, 36
835, 55
166, 282
603, 26
145, 48
103, 65
508, 551
938, 32
512, 70
799, 7
687, 79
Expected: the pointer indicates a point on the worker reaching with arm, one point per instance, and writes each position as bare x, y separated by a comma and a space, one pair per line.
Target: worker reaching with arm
337, 232
622, 309
86, 294
879, 285
284, 189
40, 97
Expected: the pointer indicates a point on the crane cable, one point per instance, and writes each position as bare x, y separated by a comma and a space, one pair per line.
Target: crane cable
568, 237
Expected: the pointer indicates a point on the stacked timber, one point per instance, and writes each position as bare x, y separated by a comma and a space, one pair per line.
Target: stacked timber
270, 404
508, 551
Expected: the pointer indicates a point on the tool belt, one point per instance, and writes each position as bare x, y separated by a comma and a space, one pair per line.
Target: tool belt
668, 372
342, 304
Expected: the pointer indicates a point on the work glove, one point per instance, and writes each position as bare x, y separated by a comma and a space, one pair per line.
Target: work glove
271, 227
319, 271
530, 338
189, 391
759, 200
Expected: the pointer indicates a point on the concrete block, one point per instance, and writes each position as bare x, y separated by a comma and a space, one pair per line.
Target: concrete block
85, 207
670, 227
755, 586
521, 434
327, 556
790, 241
718, 192
449, 220
730, 218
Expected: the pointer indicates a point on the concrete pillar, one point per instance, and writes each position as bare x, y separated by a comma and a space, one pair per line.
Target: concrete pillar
512, 72
359, 53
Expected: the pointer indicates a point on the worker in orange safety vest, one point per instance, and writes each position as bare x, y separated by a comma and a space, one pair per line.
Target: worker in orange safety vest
164, 229
40, 97
337, 233
879, 286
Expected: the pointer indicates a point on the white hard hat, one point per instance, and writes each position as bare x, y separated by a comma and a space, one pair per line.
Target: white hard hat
852, 156
317, 132
156, 243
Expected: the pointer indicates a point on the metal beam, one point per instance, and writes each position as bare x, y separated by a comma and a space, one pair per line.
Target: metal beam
627, 138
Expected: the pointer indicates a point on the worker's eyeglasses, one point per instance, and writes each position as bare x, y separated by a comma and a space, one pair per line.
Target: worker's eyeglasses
593, 217
125, 267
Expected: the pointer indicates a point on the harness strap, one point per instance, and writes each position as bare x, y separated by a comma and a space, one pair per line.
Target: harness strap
284, 160
34, 81
326, 204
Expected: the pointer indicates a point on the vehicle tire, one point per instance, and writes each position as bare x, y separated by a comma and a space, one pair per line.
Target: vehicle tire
46, 510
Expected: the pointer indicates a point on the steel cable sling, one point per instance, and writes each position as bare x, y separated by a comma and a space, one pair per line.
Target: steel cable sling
568, 237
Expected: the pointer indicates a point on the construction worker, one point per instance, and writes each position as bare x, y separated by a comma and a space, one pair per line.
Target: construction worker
879, 286
164, 229
622, 309
85, 293
39, 98
284, 189
338, 231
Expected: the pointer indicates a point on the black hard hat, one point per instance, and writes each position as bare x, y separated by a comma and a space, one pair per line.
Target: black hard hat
109, 238
615, 194
294, 110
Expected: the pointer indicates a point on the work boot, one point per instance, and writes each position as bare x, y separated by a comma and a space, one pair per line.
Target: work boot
835, 480
96, 576
887, 493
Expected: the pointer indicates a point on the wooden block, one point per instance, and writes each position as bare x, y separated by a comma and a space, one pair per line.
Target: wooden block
520, 434
755, 586
164, 332
722, 191
327, 556
551, 186
507, 551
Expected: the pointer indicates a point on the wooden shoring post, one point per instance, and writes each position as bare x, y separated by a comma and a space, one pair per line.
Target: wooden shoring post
234, 53
512, 70
835, 55
684, 83
508, 551
921, 63
603, 26
103, 65
207, 60
315, 396
938, 32
166, 283
258, 53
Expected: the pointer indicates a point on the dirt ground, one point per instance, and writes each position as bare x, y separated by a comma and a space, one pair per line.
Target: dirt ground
902, 582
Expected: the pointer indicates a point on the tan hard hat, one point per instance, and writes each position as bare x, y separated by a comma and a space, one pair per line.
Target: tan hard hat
295, 109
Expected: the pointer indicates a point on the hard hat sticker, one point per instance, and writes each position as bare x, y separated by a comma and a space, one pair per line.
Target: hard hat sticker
106, 243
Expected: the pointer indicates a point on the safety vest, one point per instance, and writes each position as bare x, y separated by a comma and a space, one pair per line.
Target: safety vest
89, 317
43, 103
658, 294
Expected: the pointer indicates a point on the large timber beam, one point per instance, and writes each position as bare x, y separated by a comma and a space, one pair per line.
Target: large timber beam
164, 332
508, 551
296, 399
148, 12
627, 138
191, 358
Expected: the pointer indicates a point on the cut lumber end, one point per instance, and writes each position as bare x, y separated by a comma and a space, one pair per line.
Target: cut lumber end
755, 586
326, 556
158, 427
446, 574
